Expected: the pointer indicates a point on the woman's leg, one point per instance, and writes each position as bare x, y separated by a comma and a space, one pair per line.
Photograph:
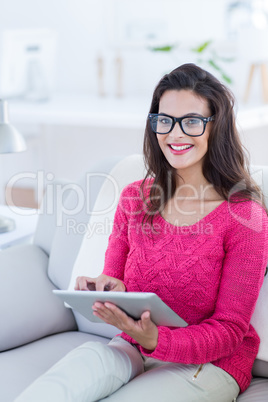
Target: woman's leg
88, 373
178, 383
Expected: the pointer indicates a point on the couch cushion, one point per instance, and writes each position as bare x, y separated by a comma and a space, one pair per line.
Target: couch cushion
257, 391
20, 367
31, 311
90, 260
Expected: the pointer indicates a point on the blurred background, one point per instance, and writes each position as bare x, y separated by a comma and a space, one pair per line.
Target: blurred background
79, 76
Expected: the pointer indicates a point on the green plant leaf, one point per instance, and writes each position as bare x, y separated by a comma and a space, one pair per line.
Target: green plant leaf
202, 47
214, 65
167, 48
224, 76
227, 78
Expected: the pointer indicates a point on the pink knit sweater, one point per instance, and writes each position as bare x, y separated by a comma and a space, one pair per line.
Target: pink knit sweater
209, 273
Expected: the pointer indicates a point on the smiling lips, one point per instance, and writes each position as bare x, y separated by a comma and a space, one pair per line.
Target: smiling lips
180, 149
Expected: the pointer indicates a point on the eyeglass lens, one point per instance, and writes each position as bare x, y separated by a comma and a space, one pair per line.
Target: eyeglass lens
191, 125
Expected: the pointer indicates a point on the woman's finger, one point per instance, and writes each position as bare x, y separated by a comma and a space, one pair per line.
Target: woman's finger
84, 283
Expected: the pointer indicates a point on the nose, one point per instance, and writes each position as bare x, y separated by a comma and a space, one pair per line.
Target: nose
177, 131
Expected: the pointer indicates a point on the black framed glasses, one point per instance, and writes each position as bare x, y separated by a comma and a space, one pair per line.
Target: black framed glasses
191, 125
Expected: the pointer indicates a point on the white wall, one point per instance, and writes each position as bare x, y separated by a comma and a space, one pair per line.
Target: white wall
87, 28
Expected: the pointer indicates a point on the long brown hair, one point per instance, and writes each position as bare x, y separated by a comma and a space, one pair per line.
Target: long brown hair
225, 163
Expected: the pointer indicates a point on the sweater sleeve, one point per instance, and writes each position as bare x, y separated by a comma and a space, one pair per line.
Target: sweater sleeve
246, 254
118, 245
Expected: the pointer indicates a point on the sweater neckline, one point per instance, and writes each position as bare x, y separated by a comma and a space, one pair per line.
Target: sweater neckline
203, 220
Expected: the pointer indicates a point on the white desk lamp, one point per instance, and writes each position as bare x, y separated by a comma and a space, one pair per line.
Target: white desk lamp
10, 141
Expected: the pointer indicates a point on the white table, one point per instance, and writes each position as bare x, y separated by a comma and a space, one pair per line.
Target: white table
25, 220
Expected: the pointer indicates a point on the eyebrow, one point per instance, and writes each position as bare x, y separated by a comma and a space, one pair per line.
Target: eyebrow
193, 114
185, 115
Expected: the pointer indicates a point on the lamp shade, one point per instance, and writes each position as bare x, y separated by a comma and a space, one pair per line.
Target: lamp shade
10, 138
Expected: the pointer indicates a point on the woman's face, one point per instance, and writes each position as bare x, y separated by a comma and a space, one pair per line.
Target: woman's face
181, 150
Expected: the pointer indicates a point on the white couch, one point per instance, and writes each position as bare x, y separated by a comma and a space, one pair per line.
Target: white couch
36, 330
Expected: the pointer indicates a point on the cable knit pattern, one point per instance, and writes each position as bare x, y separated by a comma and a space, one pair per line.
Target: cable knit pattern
209, 273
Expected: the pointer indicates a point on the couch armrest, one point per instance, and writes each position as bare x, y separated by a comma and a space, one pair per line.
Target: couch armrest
28, 308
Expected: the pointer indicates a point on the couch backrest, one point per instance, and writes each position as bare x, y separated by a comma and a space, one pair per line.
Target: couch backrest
47, 219
260, 175
101, 182
90, 260
260, 317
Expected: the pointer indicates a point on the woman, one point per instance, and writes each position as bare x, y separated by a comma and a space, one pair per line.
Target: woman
196, 233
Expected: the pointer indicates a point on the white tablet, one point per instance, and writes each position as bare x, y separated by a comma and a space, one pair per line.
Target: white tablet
133, 303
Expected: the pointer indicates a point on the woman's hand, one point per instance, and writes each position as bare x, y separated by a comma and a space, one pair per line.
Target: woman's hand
101, 283
144, 331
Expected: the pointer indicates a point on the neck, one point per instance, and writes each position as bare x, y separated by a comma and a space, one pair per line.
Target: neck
192, 183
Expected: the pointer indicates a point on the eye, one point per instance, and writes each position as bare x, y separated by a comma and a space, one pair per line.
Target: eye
192, 121
164, 120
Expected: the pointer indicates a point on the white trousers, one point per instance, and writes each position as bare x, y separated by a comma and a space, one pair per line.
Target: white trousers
118, 372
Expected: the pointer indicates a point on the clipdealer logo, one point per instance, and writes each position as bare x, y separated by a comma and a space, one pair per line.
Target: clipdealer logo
63, 199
